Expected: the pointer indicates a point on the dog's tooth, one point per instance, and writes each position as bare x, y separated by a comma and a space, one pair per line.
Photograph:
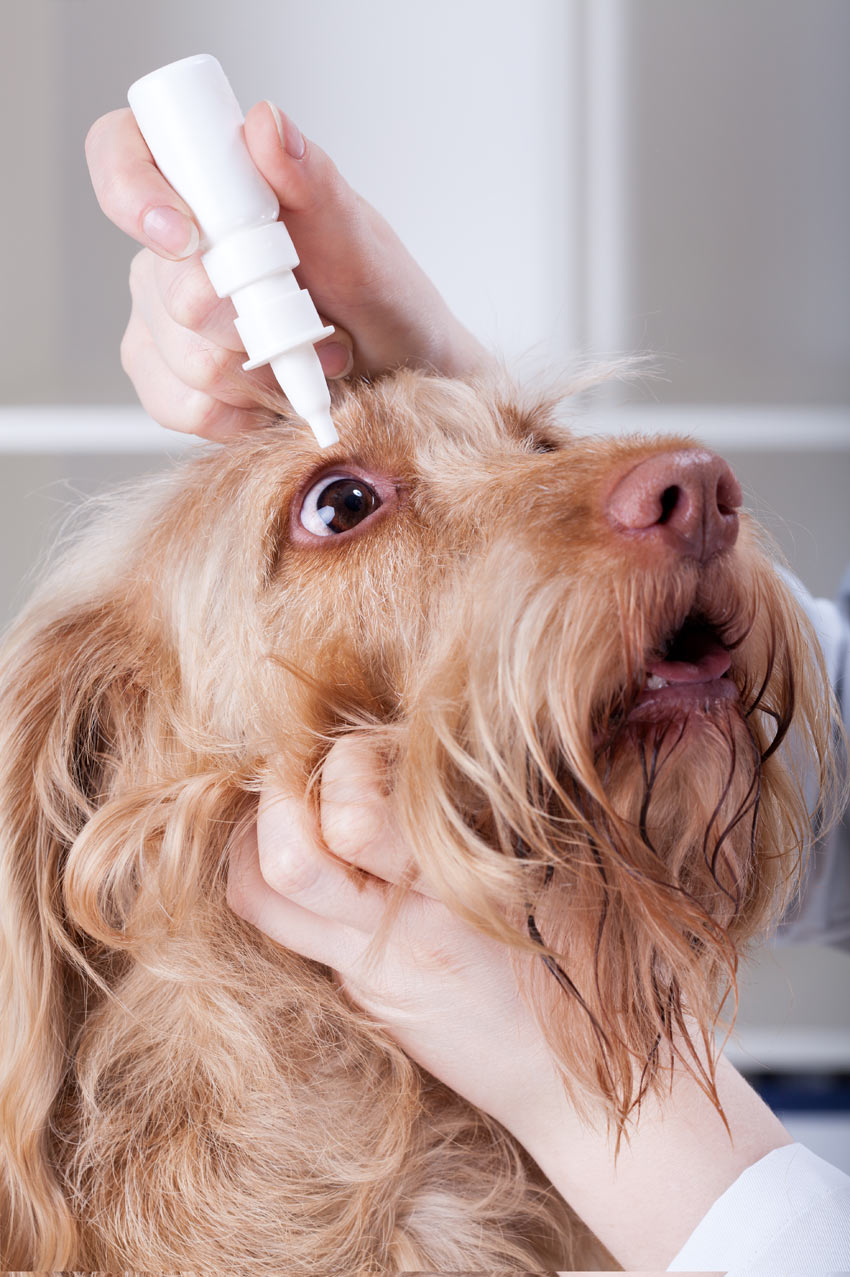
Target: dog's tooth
655, 681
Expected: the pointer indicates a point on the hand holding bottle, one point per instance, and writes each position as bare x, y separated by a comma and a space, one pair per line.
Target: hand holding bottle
181, 350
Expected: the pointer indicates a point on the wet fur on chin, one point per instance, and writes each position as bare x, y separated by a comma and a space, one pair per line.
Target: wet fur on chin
169, 1078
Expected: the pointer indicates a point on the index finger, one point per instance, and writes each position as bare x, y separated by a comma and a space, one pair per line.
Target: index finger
131, 190
357, 816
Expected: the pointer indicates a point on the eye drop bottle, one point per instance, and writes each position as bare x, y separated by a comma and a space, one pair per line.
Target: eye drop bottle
190, 119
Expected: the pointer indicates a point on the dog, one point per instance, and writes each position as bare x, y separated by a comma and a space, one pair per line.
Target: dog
599, 704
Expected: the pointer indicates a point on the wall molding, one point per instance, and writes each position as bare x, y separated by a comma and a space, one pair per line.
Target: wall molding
123, 428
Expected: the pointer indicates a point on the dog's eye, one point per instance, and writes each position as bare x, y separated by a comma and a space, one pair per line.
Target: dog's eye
337, 503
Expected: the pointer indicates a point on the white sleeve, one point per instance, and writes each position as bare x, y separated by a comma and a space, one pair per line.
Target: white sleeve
787, 1214
821, 914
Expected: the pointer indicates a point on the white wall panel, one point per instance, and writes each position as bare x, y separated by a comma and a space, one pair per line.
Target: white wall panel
738, 256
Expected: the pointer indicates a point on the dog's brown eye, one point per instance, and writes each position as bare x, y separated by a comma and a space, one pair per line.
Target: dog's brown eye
337, 503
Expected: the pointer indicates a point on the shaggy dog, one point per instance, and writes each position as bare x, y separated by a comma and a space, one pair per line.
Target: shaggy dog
581, 673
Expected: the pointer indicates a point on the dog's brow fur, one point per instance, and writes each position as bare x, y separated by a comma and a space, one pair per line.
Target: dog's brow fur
179, 1093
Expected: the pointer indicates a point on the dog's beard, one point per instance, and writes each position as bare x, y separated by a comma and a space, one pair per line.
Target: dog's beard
637, 913
692, 782
634, 858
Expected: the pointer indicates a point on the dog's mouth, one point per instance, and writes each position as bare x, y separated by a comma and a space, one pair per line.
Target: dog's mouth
695, 653
692, 671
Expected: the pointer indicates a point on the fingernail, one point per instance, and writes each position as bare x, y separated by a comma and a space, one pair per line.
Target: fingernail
336, 359
171, 230
291, 138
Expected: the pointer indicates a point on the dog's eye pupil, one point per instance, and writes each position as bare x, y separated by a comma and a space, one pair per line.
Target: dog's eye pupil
344, 503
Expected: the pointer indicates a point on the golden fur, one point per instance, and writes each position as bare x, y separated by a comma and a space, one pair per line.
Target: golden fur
179, 1093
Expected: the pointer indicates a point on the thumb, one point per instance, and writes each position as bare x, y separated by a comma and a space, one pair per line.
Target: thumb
302, 176
336, 353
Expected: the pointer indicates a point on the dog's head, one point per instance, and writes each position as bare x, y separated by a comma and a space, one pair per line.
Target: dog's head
581, 665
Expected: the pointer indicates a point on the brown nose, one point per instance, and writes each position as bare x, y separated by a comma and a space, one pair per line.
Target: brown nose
687, 501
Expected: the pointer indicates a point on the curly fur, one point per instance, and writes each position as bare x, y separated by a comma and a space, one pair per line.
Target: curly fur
179, 1093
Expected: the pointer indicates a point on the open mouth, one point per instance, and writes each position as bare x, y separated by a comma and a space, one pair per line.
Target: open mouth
693, 672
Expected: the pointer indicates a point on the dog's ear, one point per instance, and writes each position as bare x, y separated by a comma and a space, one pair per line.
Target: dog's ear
71, 689
116, 810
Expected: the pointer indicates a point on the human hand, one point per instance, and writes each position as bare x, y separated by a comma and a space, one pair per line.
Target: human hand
448, 994
181, 349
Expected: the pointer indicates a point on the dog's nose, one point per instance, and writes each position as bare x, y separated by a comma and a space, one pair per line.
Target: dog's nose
687, 501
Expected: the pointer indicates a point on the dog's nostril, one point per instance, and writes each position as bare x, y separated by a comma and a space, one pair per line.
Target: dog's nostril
726, 497
669, 500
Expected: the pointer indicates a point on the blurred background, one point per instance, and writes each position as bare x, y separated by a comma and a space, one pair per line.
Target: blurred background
578, 176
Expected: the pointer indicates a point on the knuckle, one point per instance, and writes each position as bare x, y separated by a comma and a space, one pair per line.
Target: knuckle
350, 829
288, 872
207, 365
189, 298
201, 413
442, 956
440, 942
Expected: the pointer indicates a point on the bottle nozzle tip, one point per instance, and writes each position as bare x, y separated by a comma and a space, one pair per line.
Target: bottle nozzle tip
321, 423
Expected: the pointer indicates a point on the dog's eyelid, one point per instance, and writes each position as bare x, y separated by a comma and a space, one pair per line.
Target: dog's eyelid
382, 482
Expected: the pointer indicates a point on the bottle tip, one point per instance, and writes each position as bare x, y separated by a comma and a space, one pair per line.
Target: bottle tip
321, 423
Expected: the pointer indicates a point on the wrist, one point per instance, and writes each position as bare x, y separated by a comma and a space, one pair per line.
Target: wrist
645, 1199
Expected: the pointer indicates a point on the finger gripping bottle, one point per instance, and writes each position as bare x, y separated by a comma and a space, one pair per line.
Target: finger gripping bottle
190, 119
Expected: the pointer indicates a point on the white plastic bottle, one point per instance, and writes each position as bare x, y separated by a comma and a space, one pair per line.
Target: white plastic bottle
190, 119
